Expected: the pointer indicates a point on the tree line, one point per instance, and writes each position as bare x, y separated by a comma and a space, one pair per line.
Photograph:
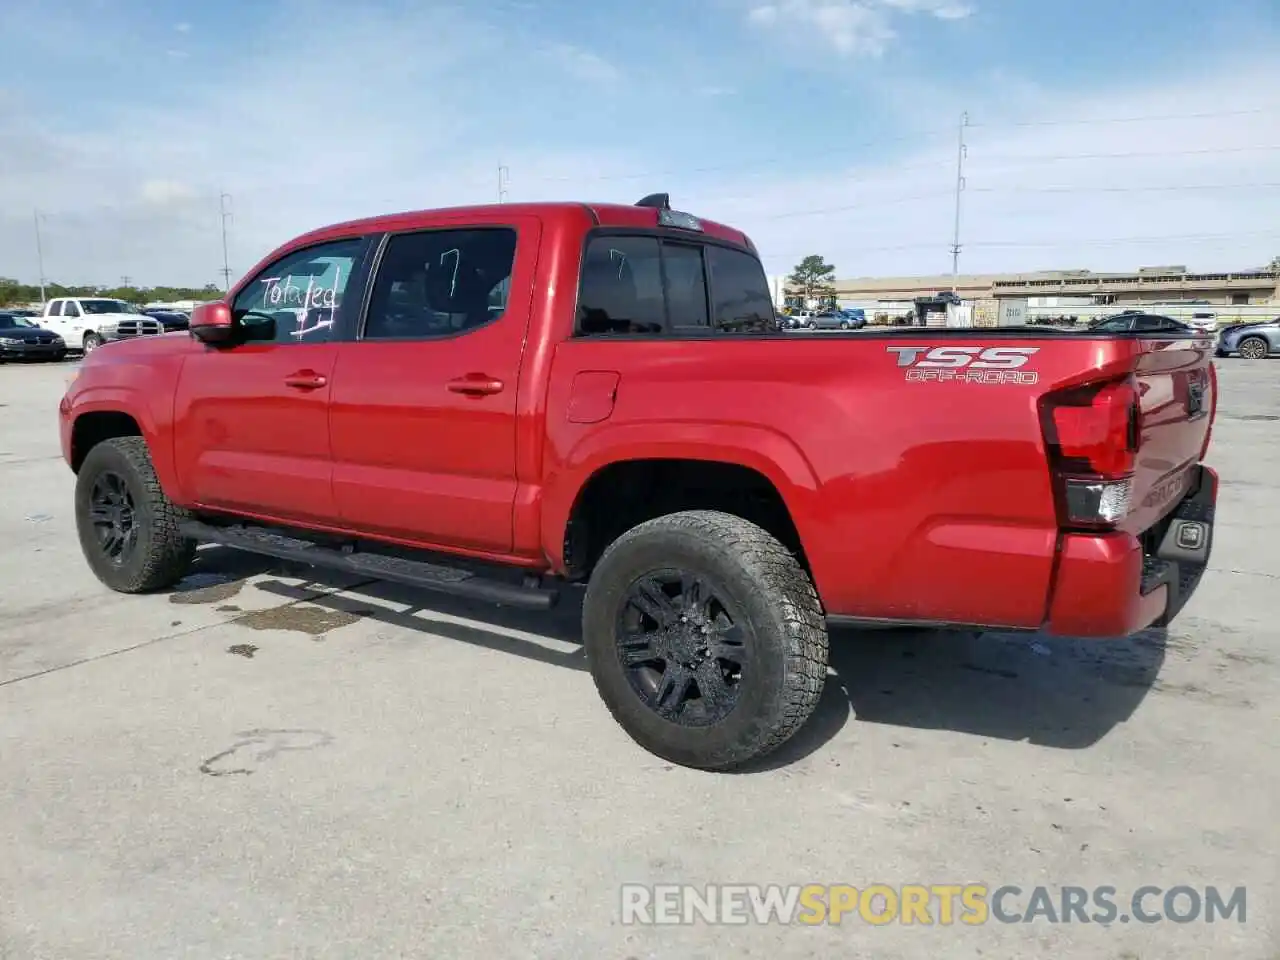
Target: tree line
813, 278
12, 292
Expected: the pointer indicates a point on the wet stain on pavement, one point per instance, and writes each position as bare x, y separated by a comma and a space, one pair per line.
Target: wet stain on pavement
246, 650
313, 621
205, 588
254, 747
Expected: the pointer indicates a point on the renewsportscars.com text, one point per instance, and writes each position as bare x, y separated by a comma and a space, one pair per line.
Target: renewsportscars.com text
927, 904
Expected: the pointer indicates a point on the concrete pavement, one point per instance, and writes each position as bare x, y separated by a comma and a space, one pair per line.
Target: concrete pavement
271, 762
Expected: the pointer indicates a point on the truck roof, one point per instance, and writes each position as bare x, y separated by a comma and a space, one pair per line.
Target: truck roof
602, 214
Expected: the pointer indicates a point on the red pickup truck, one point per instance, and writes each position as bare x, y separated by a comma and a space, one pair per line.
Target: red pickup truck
495, 401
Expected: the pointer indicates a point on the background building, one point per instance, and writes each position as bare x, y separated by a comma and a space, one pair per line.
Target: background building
1143, 286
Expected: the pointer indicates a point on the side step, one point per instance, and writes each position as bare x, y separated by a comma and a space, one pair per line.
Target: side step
415, 573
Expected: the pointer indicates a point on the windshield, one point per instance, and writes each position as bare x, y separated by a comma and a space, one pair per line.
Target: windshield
107, 306
9, 322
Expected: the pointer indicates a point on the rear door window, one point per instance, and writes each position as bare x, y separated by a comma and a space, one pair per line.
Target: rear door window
740, 292
686, 285
649, 285
621, 287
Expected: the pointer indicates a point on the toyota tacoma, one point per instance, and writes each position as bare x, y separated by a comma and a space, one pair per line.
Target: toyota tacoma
494, 402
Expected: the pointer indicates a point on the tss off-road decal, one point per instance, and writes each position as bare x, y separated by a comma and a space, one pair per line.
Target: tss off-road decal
967, 364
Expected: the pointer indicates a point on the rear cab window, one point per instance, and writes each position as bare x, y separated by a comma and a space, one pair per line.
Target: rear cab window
659, 284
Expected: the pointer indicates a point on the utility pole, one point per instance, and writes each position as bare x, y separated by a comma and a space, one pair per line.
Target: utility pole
124, 281
39, 254
961, 152
504, 178
224, 207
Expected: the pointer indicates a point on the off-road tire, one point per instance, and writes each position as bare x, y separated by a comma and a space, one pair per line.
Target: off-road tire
162, 556
784, 624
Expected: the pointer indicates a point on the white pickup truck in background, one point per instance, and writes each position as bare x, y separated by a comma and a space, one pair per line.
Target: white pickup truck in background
85, 323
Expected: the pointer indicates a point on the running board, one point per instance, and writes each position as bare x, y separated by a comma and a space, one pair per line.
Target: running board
414, 573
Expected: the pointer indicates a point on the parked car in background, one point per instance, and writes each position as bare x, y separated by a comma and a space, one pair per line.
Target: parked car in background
21, 338
86, 323
1252, 341
1204, 321
856, 316
840, 320
170, 319
1138, 321
800, 319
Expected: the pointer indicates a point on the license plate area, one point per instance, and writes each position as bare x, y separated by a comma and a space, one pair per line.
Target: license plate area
1176, 550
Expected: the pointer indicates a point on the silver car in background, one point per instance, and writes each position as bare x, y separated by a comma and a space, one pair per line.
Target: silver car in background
1252, 341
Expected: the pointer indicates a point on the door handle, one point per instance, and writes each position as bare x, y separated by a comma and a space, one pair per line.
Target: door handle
476, 385
305, 380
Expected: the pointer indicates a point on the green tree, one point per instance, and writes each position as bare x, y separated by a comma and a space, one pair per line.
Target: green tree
813, 279
14, 292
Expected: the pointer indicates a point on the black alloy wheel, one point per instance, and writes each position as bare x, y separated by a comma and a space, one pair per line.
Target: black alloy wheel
681, 644
112, 514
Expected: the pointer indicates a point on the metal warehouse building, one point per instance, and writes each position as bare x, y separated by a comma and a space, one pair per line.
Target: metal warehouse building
1146, 285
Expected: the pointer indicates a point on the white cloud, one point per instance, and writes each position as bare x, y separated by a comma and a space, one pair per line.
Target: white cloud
298, 144
1042, 193
583, 64
942, 9
166, 192
851, 27
182, 27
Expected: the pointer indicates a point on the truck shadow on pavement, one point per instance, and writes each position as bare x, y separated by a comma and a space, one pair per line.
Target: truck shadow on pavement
1053, 692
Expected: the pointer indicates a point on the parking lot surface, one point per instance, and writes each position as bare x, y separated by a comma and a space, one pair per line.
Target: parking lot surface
271, 762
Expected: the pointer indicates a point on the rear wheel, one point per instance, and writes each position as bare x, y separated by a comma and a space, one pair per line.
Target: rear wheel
1253, 348
705, 638
91, 342
844, 324
128, 527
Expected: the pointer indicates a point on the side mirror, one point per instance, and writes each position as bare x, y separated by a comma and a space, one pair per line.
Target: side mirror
212, 323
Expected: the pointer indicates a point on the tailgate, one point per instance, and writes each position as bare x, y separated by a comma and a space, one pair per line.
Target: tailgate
1178, 397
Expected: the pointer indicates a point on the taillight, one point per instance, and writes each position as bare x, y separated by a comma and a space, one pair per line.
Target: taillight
1092, 434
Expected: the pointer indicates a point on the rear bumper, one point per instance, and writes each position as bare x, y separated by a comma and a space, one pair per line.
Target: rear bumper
1113, 585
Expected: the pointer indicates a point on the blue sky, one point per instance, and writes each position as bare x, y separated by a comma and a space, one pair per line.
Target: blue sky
822, 126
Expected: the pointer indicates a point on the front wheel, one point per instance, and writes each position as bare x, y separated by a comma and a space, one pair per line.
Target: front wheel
91, 342
844, 324
1253, 348
705, 639
128, 527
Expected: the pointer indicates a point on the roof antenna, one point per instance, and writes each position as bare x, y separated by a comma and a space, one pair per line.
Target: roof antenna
661, 201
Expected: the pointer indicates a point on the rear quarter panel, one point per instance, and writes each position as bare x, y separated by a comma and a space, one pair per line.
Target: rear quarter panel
914, 498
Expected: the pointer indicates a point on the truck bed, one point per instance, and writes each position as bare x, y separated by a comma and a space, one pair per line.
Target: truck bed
917, 477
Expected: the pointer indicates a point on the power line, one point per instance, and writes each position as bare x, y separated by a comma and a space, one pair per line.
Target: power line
938, 194
1135, 154
1175, 188
921, 135
1099, 241
1084, 121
